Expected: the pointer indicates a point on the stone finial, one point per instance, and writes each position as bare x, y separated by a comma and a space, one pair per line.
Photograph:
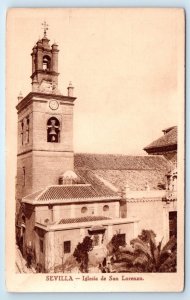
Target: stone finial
147, 187
127, 189
20, 96
70, 89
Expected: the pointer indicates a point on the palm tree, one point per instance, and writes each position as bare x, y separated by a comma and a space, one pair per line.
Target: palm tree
148, 256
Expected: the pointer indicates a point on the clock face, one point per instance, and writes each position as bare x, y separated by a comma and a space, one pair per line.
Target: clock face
54, 104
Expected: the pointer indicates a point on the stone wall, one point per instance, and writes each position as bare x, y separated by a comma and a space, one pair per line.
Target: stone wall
54, 242
150, 213
74, 210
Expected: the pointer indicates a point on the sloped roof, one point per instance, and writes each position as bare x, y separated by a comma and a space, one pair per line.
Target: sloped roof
83, 219
104, 175
121, 170
118, 162
61, 193
34, 195
168, 139
68, 192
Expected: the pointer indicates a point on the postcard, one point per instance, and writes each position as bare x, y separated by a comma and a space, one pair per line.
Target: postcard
95, 126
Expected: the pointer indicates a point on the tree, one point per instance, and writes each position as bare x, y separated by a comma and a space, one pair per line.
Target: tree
114, 245
148, 256
81, 253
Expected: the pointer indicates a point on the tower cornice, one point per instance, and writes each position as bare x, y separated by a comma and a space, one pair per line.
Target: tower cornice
43, 97
53, 73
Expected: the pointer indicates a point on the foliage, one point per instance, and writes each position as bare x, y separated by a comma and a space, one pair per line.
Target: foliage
81, 253
148, 256
115, 243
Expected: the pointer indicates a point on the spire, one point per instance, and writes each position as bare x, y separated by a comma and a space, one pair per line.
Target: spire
45, 28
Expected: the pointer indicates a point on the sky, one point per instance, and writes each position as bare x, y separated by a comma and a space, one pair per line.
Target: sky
126, 66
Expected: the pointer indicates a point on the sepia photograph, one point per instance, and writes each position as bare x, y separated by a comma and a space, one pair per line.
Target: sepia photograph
95, 149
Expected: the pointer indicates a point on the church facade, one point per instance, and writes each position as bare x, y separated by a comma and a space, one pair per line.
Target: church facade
61, 196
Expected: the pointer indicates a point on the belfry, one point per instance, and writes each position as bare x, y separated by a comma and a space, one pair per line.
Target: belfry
45, 124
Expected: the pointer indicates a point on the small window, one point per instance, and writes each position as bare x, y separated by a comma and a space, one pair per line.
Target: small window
24, 176
173, 223
67, 246
22, 132
105, 208
41, 246
53, 130
84, 209
121, 239
27, 129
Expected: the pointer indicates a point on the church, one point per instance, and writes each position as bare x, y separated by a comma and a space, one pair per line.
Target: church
62, 196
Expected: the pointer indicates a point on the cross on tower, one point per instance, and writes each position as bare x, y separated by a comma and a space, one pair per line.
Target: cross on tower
45, 27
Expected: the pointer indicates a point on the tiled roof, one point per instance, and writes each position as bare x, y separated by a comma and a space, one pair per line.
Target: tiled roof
83, 219
122, 170
66, 192
34, 195
136, 180
90, 177
77, 191
168, 139
118, 162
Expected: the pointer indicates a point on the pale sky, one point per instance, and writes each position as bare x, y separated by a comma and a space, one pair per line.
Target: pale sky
126, 67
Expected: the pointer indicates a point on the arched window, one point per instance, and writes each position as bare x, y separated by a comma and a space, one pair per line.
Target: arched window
53, 130
46, 63
105, 208
84, 209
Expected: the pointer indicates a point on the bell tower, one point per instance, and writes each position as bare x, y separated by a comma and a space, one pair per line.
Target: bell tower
44, 63
45, 124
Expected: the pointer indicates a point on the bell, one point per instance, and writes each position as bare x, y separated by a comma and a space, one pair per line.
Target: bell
52, 132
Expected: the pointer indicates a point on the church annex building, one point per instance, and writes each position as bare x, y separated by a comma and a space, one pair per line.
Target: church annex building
62, 196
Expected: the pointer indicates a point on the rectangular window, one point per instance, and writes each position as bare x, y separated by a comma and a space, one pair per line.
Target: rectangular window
41, 246
173, 223
22, 132
122, 239
67, 246
27, 129
24, 176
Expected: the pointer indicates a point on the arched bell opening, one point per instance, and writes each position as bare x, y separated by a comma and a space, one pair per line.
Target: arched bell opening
46, 63
53, 130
